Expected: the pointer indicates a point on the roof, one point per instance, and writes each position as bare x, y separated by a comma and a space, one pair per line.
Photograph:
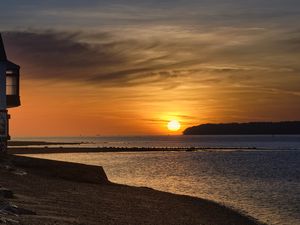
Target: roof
3, 57
2, 50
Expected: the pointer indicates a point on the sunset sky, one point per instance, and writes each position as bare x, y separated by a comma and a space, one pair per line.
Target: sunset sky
128, 67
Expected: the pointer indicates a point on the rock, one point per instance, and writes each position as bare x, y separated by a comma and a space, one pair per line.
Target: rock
13, 209
6, 193
19, 172
10, 209
4, 220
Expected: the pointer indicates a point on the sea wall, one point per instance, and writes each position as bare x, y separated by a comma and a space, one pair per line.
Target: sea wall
66, 170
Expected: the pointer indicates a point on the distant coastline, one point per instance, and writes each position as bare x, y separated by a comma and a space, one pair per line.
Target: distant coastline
251, 128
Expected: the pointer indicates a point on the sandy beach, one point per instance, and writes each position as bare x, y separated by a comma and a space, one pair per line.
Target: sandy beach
51, 192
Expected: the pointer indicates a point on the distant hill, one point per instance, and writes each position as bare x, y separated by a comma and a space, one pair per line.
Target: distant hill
253, 128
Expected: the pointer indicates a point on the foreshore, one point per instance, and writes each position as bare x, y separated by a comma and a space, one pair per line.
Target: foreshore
51, 192
40, 147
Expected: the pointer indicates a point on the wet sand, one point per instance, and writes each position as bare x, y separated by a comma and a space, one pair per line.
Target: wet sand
57, 193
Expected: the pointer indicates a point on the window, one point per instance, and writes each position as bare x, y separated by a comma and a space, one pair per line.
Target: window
11, 84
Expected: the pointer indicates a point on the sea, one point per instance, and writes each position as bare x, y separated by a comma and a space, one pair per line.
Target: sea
256, 175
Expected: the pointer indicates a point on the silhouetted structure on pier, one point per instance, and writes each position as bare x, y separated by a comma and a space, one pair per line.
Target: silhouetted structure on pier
9, 93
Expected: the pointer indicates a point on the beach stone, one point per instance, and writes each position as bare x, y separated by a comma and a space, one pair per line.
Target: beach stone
19, 172
6, 193
4, 220
19, 211
10, 209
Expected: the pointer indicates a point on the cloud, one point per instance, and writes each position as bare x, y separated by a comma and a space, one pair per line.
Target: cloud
51, 52
93, 14
64, 56
166, 58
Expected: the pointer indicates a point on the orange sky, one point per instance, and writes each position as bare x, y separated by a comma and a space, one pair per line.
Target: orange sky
69, 110
127, 69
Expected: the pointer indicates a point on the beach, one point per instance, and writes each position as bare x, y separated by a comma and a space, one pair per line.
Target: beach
50, 192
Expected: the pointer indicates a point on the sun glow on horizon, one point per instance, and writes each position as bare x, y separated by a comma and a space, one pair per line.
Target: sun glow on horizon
173, 125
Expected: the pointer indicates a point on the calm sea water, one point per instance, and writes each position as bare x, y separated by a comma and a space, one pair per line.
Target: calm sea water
264, 183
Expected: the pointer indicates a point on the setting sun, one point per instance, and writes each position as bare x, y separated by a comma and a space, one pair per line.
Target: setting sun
173, 125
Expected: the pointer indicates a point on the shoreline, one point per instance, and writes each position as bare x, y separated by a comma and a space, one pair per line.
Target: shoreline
62, 149
43, 147
54, 195
57, 150
72, 147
